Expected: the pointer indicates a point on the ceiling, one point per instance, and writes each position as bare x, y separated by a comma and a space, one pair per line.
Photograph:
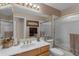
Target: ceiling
60, 6
6, 11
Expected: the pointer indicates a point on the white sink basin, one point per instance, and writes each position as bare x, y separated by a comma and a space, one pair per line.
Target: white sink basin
33, 44
28, 46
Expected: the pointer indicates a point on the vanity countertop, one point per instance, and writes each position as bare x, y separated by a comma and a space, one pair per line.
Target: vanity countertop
19, 49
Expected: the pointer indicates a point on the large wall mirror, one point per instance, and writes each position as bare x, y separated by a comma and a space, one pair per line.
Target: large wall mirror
6, 23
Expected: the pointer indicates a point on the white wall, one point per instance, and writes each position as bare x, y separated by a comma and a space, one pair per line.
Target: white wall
63, 30
18, 28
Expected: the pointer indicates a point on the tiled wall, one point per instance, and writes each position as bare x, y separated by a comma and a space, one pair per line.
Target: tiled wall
63, 31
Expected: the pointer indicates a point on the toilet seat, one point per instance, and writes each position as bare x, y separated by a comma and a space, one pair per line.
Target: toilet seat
56, 51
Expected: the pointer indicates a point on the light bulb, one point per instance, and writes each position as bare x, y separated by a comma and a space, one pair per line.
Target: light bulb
34, 6
38, 7
30, 4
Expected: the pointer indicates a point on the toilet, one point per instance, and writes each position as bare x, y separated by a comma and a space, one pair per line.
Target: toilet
54, 51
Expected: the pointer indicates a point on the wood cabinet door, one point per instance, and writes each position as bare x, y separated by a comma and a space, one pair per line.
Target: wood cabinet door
45, 53
33, 52
44, 49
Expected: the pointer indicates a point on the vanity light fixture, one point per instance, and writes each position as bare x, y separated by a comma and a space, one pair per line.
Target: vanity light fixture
30, 5
33, 6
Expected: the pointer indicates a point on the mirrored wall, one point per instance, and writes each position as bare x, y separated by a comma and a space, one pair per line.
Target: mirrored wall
6, 23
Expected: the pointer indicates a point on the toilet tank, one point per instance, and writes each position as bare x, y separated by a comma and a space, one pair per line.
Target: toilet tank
50, 41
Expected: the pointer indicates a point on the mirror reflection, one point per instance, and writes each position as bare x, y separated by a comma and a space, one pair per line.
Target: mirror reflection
6, 23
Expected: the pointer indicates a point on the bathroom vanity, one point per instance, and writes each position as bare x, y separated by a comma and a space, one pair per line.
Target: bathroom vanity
40, 51
34, 49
